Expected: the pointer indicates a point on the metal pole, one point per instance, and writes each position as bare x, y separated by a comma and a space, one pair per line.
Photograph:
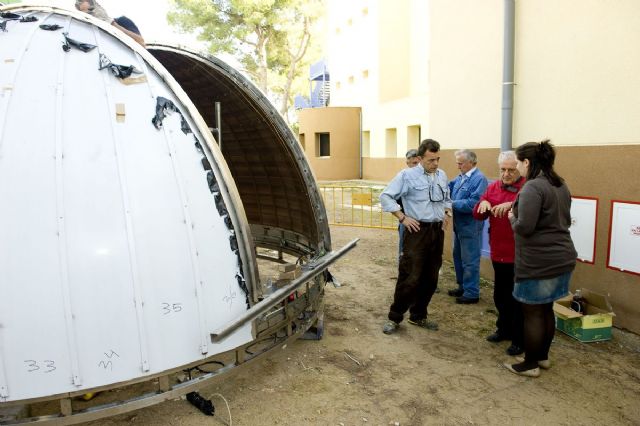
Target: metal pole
360, 172
506, 137
218, 112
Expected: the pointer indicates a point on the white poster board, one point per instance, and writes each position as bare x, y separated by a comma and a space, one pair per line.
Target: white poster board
584, 217
624, 238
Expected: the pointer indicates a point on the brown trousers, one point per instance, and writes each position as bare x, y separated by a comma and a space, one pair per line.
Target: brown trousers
418, 271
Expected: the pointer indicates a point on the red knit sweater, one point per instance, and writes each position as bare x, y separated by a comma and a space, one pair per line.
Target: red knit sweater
500, 233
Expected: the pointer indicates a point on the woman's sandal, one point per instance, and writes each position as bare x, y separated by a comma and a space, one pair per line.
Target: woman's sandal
534, 372
545, 364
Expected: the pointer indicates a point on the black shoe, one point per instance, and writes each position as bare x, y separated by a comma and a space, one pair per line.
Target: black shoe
429, 325
455, 292
467, 300
514, 350
390, 327
497, 337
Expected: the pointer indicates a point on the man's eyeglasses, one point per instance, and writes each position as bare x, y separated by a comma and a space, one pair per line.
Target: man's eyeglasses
436, 193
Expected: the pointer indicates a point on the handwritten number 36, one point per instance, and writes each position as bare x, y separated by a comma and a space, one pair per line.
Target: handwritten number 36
47, 366
167, 308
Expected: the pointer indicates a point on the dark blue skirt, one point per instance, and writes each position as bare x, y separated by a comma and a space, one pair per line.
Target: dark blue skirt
536, 292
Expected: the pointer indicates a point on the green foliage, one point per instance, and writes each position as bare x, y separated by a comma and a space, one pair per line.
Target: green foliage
269, 38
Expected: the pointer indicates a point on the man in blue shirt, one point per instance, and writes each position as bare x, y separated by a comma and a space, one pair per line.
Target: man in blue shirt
466, 190
427, 208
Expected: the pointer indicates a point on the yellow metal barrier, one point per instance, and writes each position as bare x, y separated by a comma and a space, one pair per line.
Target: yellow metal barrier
356, 206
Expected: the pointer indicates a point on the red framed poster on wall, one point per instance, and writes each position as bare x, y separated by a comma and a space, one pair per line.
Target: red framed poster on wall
624, 237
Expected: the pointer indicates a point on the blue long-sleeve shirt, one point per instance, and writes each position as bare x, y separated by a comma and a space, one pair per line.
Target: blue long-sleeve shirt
466, 191
424, 197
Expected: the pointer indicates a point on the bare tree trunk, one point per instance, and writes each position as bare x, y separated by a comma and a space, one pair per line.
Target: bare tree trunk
261, 49
284, 106
295, 59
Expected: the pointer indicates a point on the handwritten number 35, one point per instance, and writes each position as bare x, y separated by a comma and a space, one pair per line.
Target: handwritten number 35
167, 308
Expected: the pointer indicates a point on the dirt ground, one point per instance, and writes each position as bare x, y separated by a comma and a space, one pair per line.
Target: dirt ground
356, 375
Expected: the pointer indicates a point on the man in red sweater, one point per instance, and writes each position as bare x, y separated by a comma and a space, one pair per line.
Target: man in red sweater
495, 204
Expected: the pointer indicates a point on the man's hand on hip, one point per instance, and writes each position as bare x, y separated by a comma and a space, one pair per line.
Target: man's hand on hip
411, 224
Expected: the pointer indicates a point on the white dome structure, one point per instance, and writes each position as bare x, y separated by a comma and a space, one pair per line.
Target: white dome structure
129, 232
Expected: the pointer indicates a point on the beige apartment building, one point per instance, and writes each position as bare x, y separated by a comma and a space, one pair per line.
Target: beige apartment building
434, 68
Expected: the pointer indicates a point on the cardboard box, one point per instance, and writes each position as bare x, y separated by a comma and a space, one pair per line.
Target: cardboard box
287, 267
291, 275
595, 326
288, 272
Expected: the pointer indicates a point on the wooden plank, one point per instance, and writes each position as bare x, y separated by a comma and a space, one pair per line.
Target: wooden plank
13, 413
66, 408
287, 267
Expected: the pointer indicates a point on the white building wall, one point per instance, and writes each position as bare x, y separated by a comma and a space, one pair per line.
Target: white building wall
354, 42
576, 72
466, 72
577, 75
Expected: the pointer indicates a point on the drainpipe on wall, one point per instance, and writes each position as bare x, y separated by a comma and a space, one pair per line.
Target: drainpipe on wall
360, 163
507, 76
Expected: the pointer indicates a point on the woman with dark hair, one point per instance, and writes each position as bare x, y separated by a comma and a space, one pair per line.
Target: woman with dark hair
545, 255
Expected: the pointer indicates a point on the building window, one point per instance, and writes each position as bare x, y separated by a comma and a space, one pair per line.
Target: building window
351, 79
350, 22
301, 139
391, 143
365, 74
365, 11
366, 143
338, 85
413, 137
323, 145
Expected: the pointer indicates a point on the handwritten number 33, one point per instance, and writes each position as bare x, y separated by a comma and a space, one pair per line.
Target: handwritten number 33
32, 366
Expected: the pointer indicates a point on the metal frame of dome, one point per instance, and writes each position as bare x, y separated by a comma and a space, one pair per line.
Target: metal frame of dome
281, 198
284, 212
